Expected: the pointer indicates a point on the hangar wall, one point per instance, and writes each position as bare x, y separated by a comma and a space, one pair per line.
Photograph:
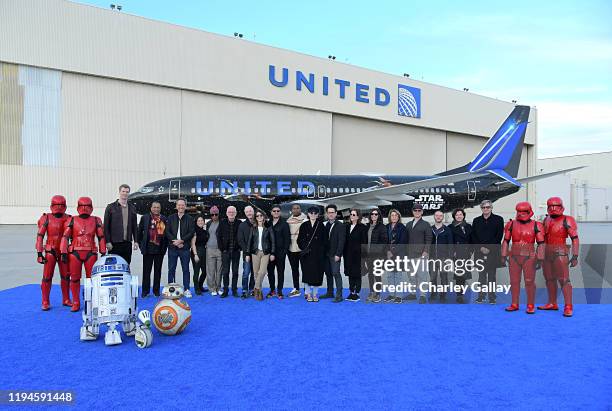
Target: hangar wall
91, 98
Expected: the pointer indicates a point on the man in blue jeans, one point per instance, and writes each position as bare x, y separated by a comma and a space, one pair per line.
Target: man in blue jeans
180, 229
244, 237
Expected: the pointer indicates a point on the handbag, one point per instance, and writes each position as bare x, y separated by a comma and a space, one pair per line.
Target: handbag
307, 250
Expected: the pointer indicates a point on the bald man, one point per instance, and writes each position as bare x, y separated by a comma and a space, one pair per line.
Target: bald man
230, 250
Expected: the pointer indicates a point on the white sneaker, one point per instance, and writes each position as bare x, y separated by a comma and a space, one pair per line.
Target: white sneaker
187, 294
213, 292
294, 293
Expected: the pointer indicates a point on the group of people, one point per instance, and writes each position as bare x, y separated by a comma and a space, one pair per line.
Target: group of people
313, 245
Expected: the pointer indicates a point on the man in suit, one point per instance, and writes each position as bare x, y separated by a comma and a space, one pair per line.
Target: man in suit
419, 236
487, 234
335, 237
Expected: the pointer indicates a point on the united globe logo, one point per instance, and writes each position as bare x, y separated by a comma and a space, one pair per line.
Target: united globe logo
408, 101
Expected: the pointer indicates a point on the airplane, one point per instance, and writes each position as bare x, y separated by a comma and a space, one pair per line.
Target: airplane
491, 175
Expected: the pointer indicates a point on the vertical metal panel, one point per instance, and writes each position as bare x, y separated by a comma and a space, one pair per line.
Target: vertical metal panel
11, 114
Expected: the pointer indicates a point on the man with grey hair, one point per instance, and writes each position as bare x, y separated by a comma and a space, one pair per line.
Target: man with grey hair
487, 234
230, 250
244, 238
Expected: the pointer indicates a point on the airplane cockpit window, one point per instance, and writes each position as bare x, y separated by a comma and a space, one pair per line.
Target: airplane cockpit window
146, 189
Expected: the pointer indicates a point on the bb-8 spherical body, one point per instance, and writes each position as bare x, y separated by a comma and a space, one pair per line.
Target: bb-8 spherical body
171, 315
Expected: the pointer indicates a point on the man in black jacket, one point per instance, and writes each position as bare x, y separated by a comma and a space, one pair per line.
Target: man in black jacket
244, 239
335, 237
441, 250
230, 250
419, 236
153, 246
120, 225
487, 234
280, 229
179, 232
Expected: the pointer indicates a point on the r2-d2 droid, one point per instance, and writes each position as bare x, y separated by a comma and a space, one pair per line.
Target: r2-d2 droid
110, 298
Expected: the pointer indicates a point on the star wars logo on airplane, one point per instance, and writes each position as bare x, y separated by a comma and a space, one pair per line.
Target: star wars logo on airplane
430, 201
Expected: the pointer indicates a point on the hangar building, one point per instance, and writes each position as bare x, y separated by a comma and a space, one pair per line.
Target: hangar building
91, 98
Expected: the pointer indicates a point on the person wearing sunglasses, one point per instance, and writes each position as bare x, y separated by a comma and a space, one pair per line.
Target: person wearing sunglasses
356, 238
487, 234
419, 239
213, 253
311, 240
282, 238
262, 246
377, 246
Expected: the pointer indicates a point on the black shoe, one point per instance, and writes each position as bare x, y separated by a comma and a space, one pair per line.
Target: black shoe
410, 297
338, 299
224, 294
442, 298
327, 295
492, 300
459, 299
397, 300
144, 295
252, 293
480, 299
244, 295
422, 300
156, 294
235, 293
198, 291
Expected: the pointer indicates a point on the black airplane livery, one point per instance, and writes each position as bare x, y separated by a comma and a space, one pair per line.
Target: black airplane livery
491, 175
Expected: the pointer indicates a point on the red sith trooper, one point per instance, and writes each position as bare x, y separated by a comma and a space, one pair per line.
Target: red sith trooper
523, 257
557, 227
52, 225
81, 231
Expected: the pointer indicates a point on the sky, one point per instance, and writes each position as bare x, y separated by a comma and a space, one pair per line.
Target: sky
554, 55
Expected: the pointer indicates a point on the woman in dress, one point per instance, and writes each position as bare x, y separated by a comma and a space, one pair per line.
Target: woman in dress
311, 241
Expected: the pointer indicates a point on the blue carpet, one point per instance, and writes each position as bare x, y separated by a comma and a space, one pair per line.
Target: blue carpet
293, 355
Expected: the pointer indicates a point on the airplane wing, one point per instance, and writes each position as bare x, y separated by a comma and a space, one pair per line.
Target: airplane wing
379, 196
530, 179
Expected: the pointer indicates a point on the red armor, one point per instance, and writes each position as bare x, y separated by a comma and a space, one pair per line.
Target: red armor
557, 227
51, 225
523, 256
82, 231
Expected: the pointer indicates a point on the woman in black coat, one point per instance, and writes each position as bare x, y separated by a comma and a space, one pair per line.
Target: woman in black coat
377, 246
462, 236
311, 241
356, 237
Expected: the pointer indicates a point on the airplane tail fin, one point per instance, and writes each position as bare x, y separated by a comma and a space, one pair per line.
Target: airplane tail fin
501, 155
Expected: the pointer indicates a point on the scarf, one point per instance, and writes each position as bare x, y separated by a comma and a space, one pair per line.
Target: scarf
156, 229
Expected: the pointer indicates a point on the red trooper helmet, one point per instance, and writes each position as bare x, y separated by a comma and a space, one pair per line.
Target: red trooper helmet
555, 206
84, 206
524, 212
58, 204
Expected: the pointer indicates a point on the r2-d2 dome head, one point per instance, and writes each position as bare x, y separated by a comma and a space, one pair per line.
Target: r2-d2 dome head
172, 291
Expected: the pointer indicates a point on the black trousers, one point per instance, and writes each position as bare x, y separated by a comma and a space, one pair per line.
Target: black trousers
294, 262
279, 264
124, 250
488, 275
355, 284
199, 268
227, 258
148, 262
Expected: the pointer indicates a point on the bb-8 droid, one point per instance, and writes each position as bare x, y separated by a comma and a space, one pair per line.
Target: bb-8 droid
171, 315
